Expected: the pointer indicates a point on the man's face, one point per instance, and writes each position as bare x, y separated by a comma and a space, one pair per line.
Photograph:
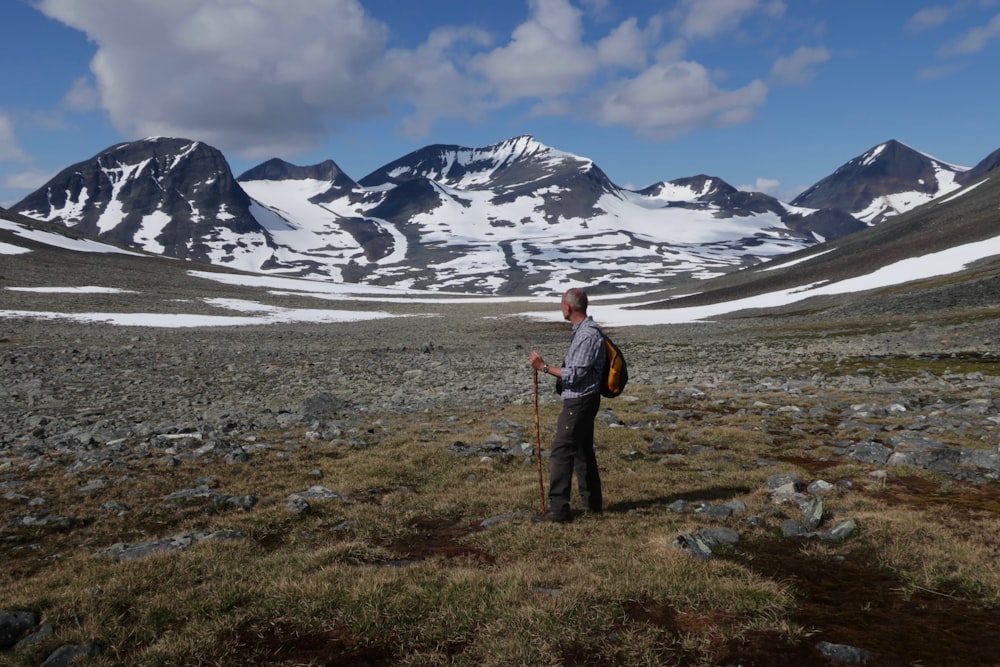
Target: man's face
565, 309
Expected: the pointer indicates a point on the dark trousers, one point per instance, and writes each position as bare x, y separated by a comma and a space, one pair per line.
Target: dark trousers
573, 450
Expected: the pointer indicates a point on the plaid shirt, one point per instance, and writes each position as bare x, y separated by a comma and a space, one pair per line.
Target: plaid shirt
581, 372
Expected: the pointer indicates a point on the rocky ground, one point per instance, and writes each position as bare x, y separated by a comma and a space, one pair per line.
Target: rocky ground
69, 384
83, 395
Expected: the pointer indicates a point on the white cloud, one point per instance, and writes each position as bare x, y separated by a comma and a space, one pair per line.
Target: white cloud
10, 149
671, 99
976, 39
432, 80
230, 73
705, 19
82, 96
546, 56
929, 17
626, 46
797, 69
671, 51
768, 186
271, 77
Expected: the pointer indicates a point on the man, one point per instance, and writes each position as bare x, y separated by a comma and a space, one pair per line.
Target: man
579, 385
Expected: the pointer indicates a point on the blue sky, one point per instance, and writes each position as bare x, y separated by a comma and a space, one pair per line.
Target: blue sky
767, 94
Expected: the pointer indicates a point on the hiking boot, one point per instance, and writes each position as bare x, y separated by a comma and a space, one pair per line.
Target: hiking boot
552, 517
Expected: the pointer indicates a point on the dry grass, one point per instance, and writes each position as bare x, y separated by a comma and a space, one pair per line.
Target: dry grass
403, 574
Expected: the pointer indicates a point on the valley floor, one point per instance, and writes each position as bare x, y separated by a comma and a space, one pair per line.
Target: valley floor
420, 431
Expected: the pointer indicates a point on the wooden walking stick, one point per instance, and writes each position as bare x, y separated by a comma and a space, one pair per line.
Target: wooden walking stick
538, 449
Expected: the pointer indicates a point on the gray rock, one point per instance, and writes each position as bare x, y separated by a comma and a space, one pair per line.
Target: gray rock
788, 494
844, 653
54, 520
679, 506
775, 482
841, 531
13, 624
717, 511
819, 487
319, 492
719, 536
218, 499
737, 506
123, 551
812, 514
200, 491
43, 632
869, 451
608, 417
926, 453
71, 654
694, 545
245, 503
691, 392
980, 458
298, 505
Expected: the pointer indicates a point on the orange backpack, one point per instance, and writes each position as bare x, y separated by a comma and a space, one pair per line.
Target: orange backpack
615, 374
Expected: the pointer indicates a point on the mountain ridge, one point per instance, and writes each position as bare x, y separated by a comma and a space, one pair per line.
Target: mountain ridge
515, 217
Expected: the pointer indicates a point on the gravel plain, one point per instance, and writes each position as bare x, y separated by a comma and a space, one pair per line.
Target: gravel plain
59, 375
467, 356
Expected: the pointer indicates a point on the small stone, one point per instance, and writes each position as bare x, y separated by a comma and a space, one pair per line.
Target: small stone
782, 480
844, 653
819, 487
717, 511
41, 634
841, 531
694, 545
678, 506
813, 514
869, 451
716, 536
298, 505
787, 494
737, 506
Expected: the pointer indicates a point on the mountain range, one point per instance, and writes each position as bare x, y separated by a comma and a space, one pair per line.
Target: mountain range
517, 217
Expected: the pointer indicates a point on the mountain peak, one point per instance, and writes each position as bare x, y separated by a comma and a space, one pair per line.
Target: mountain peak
165, 195
464, 167
277, 169
884, 181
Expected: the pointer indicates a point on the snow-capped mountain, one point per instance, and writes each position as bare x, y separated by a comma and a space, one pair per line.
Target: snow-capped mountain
168, 196
517, 217
887, 180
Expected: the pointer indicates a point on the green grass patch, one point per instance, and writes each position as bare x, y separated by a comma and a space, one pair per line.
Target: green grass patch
402, 572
